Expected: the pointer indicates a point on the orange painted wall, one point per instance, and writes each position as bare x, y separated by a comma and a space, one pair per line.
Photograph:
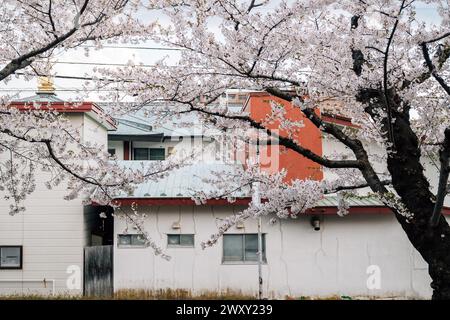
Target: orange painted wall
277, 157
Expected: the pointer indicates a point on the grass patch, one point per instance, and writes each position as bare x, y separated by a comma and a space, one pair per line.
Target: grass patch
141, 294
180, 294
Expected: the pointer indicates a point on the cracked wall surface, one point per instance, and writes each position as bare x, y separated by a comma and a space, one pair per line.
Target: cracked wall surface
300, 261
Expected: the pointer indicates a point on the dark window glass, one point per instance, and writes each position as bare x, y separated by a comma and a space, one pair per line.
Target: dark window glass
180, 240
131, 240
141, 154
233, 247
149, 153
112, 152
242, 247
157, 154
173, 239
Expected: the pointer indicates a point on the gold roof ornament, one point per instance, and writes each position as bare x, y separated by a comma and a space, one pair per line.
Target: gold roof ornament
45, 85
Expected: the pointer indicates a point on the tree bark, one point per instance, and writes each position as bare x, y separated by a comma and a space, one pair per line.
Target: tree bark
408, 179
410, 183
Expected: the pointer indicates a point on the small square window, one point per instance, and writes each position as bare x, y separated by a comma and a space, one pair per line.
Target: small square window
138, 240
180, 240
10, 257
131, 240
124, 240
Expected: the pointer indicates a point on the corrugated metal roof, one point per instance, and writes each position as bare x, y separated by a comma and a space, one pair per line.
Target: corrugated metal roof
172, 127
185, 181
132, 127
41, 97
182, 182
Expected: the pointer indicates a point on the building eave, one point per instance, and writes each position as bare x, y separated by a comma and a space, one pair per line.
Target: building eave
245, 201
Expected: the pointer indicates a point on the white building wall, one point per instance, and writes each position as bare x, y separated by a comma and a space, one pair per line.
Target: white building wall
94, 132
118, 146
51, 231
300, 261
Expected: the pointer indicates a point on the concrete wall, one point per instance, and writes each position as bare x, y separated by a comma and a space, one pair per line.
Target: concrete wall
300, 261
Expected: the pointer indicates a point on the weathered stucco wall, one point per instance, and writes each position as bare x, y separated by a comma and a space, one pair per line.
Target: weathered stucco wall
300, 261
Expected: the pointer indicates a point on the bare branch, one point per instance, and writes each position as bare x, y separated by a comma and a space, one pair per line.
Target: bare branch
432, 68
354, 187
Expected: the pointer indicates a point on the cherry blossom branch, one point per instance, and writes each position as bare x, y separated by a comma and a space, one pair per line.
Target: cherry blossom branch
355, 145
355, 187
24, 60
432, 68
286, 142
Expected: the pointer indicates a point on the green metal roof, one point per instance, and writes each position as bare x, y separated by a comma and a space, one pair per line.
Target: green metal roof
183, 182
41, 97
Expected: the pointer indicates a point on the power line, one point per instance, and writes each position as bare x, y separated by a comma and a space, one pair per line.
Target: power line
131, 47
102, 64
58, 90
70, 77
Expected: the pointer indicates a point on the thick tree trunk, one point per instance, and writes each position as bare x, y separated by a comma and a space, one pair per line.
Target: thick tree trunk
409, 181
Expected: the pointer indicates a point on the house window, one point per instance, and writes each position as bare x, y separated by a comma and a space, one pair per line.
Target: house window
10, 257
131, 240
112, 152
149, 154
180, 240
242, 247
140, 154
157, 154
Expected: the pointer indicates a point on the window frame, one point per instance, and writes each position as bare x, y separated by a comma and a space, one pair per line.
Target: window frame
20, 266
244, 261
180, 245
131, 245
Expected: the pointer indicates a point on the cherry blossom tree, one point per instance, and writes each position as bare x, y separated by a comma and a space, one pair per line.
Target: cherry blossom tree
387, 68
37, 138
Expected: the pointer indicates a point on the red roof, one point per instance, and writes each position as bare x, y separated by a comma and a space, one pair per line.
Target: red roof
69, 107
